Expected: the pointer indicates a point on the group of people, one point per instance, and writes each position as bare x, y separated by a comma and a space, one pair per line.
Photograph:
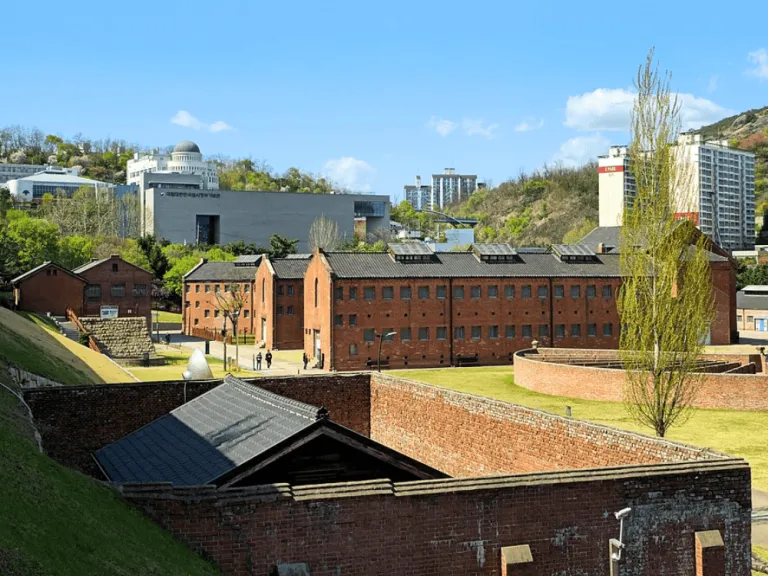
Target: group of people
268, 358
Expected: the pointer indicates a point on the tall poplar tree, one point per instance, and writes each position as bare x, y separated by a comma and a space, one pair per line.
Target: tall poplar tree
665, 302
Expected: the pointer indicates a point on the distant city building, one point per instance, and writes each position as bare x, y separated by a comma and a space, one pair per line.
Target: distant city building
722, 199
185, 159
446, 189
16, 171
51, 180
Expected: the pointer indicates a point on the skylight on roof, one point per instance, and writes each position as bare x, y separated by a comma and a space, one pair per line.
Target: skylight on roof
411, 252
573, 252
495, 252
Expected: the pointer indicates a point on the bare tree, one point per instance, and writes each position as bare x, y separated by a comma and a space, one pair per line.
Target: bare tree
665, 302
230, 303
324, 234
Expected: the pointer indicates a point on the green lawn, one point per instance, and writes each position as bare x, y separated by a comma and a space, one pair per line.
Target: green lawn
167, 316
57, 522
177, 363
738, 433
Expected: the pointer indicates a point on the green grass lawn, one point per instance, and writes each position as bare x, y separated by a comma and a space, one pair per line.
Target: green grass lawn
166, 316
739, 433
177, 363
57, 522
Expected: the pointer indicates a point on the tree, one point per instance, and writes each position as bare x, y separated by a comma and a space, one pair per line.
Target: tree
36, 239
75, 251
6, 203
230, 303
131, 252
280, 246
665, 301
172, 279
575, 234
158, 262
324, 234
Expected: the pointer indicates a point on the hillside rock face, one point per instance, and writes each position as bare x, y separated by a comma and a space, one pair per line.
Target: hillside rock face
120, 337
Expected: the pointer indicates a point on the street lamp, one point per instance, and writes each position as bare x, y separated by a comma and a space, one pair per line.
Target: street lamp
224, 338
381, 341
235, 316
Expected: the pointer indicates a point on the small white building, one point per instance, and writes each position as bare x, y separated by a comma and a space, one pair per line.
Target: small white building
52, 180
186, 158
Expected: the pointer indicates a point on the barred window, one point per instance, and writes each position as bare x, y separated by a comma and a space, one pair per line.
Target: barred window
493, 291
117, 290
388, 293
93, 292
405, 292
509, 291
493, 331
509, 331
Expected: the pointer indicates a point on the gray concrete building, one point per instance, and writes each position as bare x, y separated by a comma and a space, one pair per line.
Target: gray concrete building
189, 214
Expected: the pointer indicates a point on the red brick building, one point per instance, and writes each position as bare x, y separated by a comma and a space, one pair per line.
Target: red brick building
279, 301
48, 288
477, 307
200, 316
114, 282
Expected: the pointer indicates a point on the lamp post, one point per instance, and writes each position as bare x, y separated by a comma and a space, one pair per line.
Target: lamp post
224, 338
235, 316
381, 341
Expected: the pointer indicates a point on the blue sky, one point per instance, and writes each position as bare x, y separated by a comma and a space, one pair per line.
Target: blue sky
373, 93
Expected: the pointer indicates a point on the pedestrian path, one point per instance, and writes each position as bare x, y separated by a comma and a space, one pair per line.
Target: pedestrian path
68, 328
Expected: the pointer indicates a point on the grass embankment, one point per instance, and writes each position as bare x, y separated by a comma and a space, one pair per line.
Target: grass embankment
177, 363
33, 343
163, 316
739, 433
57, 522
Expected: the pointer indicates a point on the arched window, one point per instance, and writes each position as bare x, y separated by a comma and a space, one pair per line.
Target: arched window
315, 292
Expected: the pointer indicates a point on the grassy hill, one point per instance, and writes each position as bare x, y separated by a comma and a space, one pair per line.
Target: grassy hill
55, 521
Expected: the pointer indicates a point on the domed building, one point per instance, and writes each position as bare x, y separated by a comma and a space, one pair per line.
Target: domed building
186, 158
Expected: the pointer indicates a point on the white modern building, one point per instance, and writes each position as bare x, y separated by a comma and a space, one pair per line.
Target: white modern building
720, 200
446, 189
186, 158
16, 171
51, 180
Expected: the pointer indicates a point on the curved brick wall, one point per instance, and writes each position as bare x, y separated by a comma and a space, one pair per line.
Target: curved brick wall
727, 391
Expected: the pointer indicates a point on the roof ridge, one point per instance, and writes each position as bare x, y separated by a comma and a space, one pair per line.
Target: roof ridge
296, 407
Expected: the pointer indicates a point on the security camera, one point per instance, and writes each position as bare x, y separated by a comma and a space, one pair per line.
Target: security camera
623, 513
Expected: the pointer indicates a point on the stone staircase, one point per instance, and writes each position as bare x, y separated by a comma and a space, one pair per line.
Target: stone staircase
120, 337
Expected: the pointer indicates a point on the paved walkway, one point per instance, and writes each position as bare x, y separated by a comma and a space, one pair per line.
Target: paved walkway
70, 330
284, 362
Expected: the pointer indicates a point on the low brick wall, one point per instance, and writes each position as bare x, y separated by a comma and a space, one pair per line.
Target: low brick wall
458, 527
730, 391
75, 421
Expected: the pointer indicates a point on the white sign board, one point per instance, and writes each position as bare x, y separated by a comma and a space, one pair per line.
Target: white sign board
108, 311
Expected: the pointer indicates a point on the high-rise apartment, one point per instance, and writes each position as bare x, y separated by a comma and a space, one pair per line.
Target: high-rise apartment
721, 197
446, 189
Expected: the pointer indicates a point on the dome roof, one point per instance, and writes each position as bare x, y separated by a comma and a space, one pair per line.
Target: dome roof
187, 146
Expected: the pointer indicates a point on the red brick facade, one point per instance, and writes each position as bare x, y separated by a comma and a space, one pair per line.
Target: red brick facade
115, 282
52, 289
279, 309
200, 309
523, 478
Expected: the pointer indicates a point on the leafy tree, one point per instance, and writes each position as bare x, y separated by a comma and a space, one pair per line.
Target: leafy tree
575, 234
158, 262
9, 256
665, 301
5, 202
240, 248
406, 214
132, 252
752, 275
36, 240
75, 251
172, 279
280, 246
217, 254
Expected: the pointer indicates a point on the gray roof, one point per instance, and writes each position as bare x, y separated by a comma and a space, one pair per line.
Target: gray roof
410, 249
494, 249
248, 259
207, 437
291, 268
94, 263
751, 301
607, 235
572, 250
222, 272
36, 269
187, 146
467, 265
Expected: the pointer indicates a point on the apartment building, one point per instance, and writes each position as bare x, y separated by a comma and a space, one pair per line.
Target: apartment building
721, 197
418, 195
279, 301
445, 189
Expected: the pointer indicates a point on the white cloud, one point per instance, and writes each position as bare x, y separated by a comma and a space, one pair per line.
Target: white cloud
441, 125
582, 149
760, 60
529, 125
476, 127
609, 110
714, 80
351, 173
184, 118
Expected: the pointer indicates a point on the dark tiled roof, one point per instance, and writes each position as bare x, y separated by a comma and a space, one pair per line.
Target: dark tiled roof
410, 249
207, 437
751, 301
572, 250
36, 269
94, 263
222, 272
467, 265
248, 259
494, 249
292, 267
607, 235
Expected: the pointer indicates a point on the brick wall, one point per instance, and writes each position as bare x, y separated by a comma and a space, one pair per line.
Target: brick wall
465, 435
75, 421
202, 314
289, 313
264, 304
318, 309
724, 326
458, 527
727, 391
132, 304
52, 290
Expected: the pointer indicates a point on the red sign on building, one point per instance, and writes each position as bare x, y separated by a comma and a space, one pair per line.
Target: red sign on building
609, 169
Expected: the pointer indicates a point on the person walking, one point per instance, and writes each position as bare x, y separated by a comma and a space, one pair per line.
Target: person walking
258, 361
305, 359
268, 358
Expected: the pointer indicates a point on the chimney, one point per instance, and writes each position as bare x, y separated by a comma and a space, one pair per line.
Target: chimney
601, 248
418, 181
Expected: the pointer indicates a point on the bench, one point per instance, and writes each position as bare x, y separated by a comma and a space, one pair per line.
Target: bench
467, 360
